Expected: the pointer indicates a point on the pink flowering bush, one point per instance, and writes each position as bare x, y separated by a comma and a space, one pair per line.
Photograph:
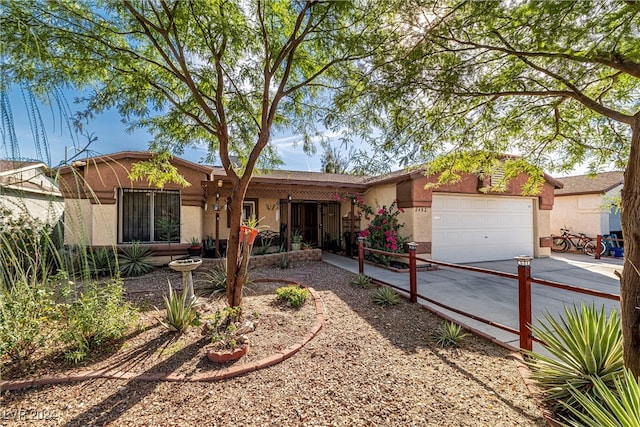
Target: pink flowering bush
383, 233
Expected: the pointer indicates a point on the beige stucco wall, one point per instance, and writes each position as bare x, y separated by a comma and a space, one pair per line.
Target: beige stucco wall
541, 228
77, 222
104, 225
417, 224
580, 213
191, 223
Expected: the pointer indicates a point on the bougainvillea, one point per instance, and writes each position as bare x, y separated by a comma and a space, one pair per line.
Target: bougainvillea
383, 232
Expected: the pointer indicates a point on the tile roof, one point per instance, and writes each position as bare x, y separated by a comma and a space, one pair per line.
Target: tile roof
586, 184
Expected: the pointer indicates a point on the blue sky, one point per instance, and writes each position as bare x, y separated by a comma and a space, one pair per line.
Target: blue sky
112, 137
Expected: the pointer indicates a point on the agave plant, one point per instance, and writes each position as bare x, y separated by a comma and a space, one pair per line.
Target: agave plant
386, 296
134, 260
361, 281
181, 312
449, 334
617, 408
585, 346
102, 262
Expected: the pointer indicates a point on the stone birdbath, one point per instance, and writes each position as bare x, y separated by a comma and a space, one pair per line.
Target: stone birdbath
186, 266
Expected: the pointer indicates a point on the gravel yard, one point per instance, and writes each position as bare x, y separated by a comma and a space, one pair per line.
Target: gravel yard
369, 365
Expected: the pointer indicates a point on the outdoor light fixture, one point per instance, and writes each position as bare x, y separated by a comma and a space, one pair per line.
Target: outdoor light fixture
523, 260
412, 246
289, 197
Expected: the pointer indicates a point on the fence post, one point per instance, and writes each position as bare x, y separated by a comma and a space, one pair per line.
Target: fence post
598, 243
413, 282
524, 301
360, 254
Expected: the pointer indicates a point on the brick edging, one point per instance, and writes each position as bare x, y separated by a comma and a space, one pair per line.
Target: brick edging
219, 374
532, 388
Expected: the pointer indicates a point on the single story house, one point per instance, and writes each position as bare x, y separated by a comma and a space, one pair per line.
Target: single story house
587, 204
25, 188
456, 222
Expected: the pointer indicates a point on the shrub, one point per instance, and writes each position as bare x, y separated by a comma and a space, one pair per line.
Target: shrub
449, 334
134, 260
584, 346
294, 295
607, 408
361, 281
226, 329
27, 318
97, 315
386, 296
180, 313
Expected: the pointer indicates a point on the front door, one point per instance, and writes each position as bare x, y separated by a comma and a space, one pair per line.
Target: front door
304, 217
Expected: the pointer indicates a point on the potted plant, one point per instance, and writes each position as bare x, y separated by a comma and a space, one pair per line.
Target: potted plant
250, 227
196, 247
296, 240
228, 332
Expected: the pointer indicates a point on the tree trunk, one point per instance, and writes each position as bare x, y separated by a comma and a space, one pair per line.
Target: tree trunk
630, 281
237, 261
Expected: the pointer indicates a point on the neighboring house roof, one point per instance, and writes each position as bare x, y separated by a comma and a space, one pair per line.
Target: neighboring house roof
26, 176
12, 165
587, 184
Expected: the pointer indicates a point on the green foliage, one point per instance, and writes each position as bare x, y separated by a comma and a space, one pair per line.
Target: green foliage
134, 260
285, 262
604, 407
158, 171
449, 334
102, 262
98, 314
181, 314
293, 295
361, 281
585, 345
386, 296
29, 249
216, 278
226, 329
28, 318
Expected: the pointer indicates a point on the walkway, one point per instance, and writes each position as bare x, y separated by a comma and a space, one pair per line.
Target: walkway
496, 298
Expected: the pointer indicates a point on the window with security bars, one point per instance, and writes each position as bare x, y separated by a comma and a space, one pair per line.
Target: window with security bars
149, 216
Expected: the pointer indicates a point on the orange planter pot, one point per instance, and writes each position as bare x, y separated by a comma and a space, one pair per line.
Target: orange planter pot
252, 232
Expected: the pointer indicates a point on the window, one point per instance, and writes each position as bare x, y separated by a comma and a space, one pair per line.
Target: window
249, 210
149, 216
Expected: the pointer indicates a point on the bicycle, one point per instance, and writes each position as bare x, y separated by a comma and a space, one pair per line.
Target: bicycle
579, 241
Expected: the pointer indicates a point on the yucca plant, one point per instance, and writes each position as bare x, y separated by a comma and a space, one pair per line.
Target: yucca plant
134, 260
617, 408
361, 281
216, 278
386, 296
585, 345
449, 334
181, 312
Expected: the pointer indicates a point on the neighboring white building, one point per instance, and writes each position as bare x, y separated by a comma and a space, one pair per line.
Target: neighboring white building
587, 204
26, 188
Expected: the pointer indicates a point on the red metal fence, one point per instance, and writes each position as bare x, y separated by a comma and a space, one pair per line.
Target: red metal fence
524, 289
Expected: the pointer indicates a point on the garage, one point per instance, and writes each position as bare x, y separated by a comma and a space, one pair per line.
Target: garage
468, 228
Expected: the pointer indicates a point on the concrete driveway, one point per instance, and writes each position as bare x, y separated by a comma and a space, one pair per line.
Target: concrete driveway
496, 298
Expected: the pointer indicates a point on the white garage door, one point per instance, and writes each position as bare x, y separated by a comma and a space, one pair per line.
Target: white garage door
481, 228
